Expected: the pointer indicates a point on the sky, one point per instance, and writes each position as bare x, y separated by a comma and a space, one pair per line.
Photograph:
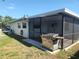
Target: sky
19, 8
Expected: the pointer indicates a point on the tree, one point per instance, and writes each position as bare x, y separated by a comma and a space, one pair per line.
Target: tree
0, 21
1, 18
7, 19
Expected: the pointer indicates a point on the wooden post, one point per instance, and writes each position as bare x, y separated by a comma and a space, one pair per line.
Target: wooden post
61, 43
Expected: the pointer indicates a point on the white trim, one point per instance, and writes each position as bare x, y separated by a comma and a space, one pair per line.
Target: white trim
67, 48
63, 10
71, 12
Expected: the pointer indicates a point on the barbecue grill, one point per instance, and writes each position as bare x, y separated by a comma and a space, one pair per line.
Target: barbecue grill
51, 41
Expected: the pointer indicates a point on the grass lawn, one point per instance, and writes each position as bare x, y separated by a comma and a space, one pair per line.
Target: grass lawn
72, 53
10, 48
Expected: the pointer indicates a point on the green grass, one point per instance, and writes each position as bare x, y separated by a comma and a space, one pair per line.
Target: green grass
4, 41
70, 53
13, 53
10, 48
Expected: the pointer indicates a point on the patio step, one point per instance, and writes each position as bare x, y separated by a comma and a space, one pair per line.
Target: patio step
35, 43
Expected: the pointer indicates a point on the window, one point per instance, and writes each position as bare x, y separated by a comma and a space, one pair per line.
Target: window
24, 25
19, 26
21, 32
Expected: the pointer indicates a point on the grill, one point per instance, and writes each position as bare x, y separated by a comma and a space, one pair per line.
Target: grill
51, 41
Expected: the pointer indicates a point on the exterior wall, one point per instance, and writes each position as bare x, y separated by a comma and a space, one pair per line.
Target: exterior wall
42, 25
71, 27
68, 27
52, 24
31, 31
76, 29
16, 30
34, 30
70, 30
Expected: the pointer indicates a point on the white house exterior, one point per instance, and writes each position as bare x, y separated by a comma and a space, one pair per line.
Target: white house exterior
17, 27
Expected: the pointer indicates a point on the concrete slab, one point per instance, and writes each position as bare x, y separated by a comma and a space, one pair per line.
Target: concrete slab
71, 46
35, 43
39, 45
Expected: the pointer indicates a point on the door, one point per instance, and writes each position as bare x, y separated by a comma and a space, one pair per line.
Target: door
21, 32
37, 34
37, 30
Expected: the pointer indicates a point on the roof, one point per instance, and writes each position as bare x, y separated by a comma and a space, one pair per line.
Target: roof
63, 10
21, 19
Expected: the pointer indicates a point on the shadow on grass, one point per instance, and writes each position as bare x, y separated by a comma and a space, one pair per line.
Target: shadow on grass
20, 39
75, 56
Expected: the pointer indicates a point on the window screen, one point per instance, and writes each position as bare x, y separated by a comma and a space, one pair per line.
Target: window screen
24, 25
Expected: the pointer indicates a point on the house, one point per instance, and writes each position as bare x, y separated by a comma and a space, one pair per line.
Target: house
20, 27
63, 22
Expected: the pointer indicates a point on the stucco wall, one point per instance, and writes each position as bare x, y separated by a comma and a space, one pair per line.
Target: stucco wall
14, 27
